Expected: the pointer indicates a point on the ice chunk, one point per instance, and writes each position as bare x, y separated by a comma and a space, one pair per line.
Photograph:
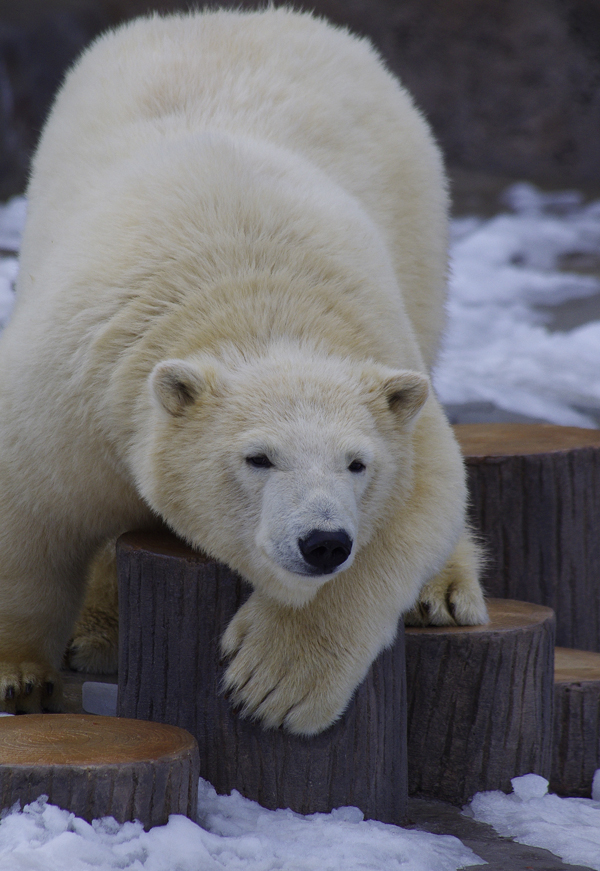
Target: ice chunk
9, 268
529, 786
596, 786
99, 698
12, 221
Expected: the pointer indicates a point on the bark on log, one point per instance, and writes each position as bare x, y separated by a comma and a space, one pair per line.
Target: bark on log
99, 766
480, 702
174, 605
535, 499
576, 721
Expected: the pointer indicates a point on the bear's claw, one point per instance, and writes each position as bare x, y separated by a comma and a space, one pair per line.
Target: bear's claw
29, 688
454, 596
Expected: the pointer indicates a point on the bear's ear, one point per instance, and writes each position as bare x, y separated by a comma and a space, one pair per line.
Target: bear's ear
177, 384
406, 393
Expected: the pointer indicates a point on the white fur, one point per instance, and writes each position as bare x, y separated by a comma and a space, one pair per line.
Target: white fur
236, 243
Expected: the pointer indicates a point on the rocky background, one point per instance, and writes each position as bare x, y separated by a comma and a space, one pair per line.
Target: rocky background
511, 87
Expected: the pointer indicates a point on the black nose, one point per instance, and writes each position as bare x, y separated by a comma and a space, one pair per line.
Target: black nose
325, 549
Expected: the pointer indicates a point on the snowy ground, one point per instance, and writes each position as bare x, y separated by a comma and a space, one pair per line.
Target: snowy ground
519, 280
568, 827
233, 833
236, 834
524, 336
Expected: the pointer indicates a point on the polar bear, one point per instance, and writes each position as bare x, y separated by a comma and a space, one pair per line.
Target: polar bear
231, 292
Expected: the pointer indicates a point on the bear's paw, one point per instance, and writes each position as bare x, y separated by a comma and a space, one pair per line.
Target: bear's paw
284, 673
454, 596
29, 688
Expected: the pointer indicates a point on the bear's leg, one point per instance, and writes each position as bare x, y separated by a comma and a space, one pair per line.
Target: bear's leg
39, 598
43, 560
298, 667
94, 646
454, 595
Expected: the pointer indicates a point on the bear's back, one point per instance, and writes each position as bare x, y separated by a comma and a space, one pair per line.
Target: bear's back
277, 76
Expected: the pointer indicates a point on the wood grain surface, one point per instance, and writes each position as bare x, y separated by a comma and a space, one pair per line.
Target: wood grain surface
535, 502
480, 702
99, 766
576, 753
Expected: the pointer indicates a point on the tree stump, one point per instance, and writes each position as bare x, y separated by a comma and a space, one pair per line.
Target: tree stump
99, 766
576, 721
535, 499
174, 606
480, 702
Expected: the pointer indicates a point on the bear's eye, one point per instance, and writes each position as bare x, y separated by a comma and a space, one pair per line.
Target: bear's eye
259, 461
356, 466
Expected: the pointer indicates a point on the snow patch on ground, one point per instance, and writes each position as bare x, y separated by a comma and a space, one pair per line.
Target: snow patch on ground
506, 272
234, 834
567, 827
237, 834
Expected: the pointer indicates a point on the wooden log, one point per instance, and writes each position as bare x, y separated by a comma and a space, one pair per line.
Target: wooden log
535, 494
99, 766
480, 702
174, 606
576, 753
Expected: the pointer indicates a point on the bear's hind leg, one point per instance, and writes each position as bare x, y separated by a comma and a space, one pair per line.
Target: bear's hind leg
94, 647
39, 598
454, 596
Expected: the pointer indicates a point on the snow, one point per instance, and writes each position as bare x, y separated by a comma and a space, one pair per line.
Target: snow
12, 221
510, 275
529, 786
234, 834
507, 274
568, 827
237, 834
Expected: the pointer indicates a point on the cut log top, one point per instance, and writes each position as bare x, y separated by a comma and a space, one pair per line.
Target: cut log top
576, 666
480, 441
506, 615
79, 739
163, 543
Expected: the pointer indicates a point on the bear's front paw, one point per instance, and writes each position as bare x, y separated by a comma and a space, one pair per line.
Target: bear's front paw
29, 688
454, 596
285, 672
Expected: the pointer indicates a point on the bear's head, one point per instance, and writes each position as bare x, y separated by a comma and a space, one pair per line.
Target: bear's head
280, 465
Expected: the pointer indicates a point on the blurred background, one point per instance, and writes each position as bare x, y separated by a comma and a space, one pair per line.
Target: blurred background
511, 87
